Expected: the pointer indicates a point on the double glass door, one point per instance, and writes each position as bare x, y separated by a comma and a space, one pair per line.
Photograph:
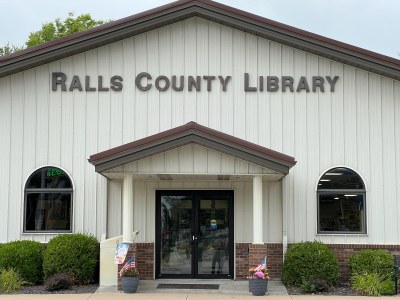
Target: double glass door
194, 234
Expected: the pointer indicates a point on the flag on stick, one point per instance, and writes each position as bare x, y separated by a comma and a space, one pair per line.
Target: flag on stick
129, 264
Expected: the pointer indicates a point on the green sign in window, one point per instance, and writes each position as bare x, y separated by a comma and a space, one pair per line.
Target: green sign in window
54, 172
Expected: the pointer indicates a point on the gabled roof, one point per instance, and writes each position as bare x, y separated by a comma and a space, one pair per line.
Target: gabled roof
192, 133
183, 9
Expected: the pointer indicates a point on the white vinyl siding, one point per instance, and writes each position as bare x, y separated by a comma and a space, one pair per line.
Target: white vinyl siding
356, 126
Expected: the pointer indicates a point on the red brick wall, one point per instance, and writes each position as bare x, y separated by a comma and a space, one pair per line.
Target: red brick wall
144, 253
344, 251
249, 255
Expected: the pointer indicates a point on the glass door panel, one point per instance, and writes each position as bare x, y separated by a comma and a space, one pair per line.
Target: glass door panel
213, 238
176, 235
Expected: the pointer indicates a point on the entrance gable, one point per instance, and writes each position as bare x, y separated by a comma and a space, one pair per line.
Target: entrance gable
188, 134
192, 159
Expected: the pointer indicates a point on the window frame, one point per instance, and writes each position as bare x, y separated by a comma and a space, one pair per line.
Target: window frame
27, 191
363, 192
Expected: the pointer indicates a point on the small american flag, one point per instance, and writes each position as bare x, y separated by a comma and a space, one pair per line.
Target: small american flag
262, 266
128, 265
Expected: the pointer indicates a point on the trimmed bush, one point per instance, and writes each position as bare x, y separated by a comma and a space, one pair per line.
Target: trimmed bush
309, 261
372, 261
371, 272
10, 281
26, 257
74, 254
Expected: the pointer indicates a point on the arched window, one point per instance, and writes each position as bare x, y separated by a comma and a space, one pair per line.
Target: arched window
48, 201
341, 202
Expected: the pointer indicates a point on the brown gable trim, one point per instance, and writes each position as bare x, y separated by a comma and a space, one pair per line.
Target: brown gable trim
210, 10
192, 133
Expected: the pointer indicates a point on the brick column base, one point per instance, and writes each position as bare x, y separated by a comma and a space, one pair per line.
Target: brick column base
250, 255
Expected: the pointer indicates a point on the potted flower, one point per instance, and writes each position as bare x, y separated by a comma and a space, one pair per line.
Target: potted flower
258, 279
129, 276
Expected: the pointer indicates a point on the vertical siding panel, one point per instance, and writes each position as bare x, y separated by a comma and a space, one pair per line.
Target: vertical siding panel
338, 121
128, 91
214, 69
288, 104
157, 163
150, 211
363, 138
191, 52
141, 110
66, 121
396, 97
114, 208
350, 116
5, 157
95, 133
153, 95
325, 113
200, 163
251, 97
264, 120
29, 144
172, 161
16, 197
296, 217
275, 68
313, 155
202, 69
377, 201
54, 118
116, 68
226, 66
213, 162
239, 106
186, 159
275, 212
389, 156
42, 114
165, 55
139, 209
178, 69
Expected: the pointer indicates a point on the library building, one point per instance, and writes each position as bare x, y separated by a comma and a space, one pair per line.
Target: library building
207, 136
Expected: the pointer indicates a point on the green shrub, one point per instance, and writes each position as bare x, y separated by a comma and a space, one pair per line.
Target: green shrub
371, 272
74, 254
372, 261
26, 257
366, 284
10, 281
308, 261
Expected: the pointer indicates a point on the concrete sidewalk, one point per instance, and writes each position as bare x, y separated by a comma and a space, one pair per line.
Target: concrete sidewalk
229, 289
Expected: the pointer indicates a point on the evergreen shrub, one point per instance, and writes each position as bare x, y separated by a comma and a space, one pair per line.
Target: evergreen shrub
371, 272
26, 257
309, 261
74, 254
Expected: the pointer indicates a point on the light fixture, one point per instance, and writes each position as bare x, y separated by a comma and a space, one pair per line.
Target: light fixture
350, 195
325, 180
336, 198
333, 174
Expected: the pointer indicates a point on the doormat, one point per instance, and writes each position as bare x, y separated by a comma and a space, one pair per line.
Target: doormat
191, 286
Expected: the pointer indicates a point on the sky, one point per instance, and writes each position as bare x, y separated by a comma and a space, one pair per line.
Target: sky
369, 24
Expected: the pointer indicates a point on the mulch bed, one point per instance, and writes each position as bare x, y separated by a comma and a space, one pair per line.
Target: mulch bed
76, 289
341, 290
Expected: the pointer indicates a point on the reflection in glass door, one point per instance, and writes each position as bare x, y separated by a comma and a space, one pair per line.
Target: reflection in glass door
194, 234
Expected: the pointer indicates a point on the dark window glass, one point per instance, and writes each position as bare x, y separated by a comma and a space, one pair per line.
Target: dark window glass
48, 201
341, 202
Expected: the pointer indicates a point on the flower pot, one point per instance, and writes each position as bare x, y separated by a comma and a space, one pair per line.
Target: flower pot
258, 287
130, 284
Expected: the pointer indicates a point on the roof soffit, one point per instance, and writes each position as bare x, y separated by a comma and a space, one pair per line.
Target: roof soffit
210, 10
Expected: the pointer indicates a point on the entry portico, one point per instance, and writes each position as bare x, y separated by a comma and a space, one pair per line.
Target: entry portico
195, 157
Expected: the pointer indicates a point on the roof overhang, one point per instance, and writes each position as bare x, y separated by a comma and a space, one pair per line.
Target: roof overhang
192, 133
216, 12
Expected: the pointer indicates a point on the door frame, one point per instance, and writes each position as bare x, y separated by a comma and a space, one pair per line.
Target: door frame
196, 195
